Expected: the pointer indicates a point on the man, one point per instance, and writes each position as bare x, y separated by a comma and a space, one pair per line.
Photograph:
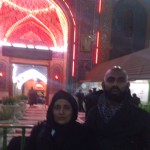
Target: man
135, 100
32, 97
119, 124
80, 98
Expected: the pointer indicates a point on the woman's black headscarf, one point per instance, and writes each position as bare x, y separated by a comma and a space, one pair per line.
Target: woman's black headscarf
62, 95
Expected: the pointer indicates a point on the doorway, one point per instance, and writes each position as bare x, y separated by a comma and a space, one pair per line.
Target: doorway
27, 76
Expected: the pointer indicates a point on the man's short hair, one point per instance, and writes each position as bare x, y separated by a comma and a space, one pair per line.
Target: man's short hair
116, 68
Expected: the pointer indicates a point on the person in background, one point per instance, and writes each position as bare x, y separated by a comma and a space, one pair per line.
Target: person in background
61, 131
135, 100
91, 100
119, 124
32, 97
90, 91
80, 99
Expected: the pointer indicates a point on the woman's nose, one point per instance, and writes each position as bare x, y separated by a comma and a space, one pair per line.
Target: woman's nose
115, 82
61, 111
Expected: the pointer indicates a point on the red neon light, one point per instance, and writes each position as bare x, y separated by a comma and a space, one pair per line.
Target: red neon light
97, 48
97, 39
74, 56
1, 74
99, 6
74, 45
56, 77
74, 52
96, 58
70, 12
73, 67
74, 40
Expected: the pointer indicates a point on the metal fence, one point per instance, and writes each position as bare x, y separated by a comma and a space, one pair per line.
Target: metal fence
6, 127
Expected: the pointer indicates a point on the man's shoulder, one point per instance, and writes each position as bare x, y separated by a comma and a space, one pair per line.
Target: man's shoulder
140, 112
98, 93
94, 94
94, 110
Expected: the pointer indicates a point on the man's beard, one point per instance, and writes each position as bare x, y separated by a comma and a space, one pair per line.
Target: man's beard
116, 97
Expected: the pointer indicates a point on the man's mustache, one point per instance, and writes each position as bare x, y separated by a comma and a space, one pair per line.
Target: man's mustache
115, 88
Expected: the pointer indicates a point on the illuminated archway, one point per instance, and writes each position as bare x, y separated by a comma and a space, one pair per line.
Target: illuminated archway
54, 19
46, 23
47, 15
27, 75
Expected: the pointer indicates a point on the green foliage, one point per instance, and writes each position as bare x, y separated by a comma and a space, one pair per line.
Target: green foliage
6, 114
9, 101
145, 106
21, 97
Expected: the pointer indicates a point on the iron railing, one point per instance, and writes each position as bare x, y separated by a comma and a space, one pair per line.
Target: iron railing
5, 128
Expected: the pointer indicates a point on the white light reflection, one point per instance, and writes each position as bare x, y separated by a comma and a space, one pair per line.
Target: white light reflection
28, 75
30, 46
42, 47
14, 72
20, 45
5, 43
58, 49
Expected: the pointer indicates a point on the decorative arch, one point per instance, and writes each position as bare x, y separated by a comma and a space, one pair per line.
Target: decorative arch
27, 12
21, 22
62, 36
27, 75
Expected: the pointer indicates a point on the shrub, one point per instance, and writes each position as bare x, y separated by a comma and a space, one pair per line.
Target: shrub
9, 101
21, 97
6, 114
145, 106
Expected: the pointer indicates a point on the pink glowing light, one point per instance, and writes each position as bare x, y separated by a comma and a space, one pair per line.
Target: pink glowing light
99, 6
97, 48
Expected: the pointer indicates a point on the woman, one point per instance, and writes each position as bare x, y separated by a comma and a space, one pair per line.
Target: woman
60, 131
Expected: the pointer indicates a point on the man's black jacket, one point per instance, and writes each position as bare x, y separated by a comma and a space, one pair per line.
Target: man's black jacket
129, 129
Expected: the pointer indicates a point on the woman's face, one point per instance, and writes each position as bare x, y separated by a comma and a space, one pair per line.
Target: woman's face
62, 111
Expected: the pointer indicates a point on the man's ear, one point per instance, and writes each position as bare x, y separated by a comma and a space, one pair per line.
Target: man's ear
103, 85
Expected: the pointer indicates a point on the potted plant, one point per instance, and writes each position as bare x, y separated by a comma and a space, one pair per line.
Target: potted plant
10, 105
6, 116
9, 101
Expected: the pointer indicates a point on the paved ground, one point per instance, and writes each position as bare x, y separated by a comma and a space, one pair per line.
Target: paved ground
33, 114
